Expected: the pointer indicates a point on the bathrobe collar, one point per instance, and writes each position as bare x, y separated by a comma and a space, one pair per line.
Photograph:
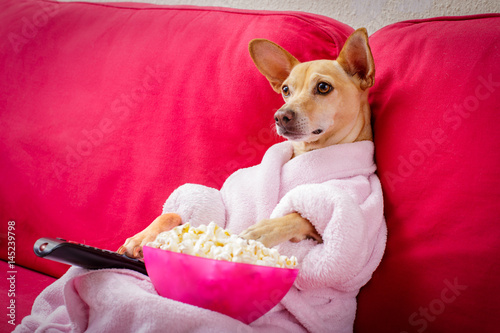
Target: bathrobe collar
317, 166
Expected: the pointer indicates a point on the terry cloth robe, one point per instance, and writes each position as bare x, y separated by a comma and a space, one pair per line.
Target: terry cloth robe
335, 188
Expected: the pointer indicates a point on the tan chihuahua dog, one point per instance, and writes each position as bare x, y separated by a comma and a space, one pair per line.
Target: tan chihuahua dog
326, 103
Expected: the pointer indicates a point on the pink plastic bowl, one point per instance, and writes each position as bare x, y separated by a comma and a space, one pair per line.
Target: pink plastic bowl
242, 291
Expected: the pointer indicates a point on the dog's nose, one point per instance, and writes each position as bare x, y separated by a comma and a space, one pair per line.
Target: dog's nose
284, 117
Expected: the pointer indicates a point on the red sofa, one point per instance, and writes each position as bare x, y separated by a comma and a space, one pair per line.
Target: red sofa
106, 108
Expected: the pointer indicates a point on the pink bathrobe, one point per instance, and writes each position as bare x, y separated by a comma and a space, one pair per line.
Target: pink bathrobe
335, 188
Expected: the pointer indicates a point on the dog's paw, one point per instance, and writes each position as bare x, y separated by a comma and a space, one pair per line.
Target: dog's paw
133, 245
268, 232
291, 227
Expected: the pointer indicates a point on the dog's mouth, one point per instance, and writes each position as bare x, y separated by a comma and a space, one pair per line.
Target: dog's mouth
294, 135
289, 134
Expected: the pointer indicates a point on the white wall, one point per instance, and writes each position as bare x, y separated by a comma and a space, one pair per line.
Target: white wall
372, 14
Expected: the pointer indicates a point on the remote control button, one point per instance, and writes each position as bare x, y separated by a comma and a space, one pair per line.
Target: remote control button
43, 247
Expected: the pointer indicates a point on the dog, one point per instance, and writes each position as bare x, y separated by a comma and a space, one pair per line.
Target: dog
326, 103
315, 196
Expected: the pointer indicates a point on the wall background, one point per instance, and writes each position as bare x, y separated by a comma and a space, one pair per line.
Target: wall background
372, 14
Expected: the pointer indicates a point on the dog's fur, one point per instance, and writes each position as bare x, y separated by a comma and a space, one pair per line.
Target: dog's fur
326, 103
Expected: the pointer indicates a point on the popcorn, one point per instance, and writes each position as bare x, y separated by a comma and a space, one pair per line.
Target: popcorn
212, 241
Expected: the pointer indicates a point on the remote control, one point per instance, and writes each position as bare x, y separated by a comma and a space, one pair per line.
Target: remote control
85, 256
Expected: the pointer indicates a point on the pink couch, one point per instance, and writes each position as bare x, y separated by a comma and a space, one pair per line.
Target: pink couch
106, 108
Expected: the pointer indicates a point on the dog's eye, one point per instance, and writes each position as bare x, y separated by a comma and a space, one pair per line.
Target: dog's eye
323, 88
285, 90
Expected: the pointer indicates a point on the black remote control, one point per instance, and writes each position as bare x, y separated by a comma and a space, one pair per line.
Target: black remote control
85, 256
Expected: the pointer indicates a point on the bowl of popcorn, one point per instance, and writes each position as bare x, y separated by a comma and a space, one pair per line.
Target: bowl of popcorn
211, 268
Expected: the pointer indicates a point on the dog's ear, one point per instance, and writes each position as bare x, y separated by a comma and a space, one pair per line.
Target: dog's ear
273, 61
357, 60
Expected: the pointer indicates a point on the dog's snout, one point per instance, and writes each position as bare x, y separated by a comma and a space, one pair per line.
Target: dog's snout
284, 117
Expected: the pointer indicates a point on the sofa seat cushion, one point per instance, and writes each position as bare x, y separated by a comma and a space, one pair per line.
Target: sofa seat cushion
20, 287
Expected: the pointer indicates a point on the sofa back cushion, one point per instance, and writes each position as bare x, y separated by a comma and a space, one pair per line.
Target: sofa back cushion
107, 108
436, 109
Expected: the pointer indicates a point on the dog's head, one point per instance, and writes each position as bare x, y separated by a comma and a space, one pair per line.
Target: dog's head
326, 101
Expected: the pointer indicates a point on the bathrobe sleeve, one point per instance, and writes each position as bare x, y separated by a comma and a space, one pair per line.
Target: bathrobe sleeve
348, 214
197, 204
